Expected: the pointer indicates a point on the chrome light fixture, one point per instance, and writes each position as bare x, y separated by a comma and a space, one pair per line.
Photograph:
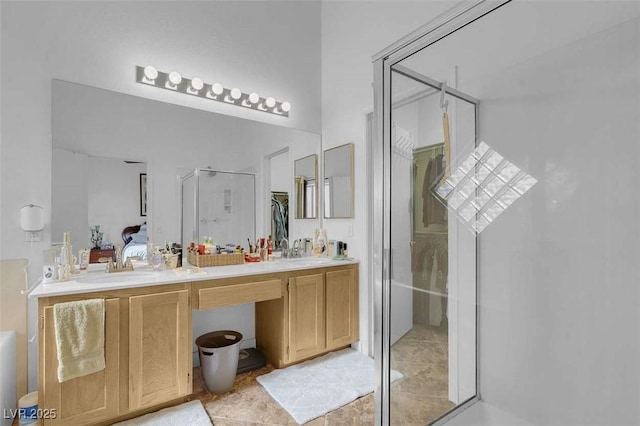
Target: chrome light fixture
174, 79
195, 86
150, 76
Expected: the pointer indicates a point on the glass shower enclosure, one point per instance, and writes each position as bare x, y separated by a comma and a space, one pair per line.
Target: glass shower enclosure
425, 286
506, 216
219, 205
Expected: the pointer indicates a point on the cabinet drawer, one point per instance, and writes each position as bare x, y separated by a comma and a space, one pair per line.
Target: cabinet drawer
236, 294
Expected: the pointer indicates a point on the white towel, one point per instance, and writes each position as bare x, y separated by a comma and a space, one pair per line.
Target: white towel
79, 329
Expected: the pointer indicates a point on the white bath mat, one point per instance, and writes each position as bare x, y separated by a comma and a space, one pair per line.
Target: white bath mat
313, 388
190, 413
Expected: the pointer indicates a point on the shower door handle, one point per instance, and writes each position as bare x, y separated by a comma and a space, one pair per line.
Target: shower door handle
387, 261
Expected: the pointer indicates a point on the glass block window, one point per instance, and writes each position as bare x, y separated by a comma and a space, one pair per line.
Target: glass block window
482, 187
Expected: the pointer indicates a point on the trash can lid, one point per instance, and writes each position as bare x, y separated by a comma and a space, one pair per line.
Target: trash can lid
218, 339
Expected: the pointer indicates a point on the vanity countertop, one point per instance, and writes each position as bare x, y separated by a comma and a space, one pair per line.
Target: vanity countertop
97, 280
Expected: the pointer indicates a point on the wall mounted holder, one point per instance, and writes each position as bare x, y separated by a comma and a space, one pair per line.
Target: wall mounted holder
213, 91
32, 222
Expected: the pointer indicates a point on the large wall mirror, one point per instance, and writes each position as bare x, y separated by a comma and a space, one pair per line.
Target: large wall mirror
338, 182
306, 187
104, 140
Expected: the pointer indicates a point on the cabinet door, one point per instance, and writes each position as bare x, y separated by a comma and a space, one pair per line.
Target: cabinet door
306, 316
342, 308
88, 399
159, 348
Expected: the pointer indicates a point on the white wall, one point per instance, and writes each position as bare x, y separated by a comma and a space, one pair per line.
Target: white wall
352, 32
280, 168
114, 197
99, 44
559, 318
70, 206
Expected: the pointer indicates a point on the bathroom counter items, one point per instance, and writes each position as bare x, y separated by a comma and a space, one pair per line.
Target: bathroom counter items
143, 275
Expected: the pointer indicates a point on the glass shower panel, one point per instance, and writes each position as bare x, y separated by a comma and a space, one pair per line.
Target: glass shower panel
433, 275
218, 205
189, 221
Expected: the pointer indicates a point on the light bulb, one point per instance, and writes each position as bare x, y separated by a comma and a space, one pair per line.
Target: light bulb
217, 89
174, 79
270, 102
150, 73
254, 98
197, 84
285, 107
236, 93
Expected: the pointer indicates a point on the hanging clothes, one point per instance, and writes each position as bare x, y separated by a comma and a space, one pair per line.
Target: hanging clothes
433, 211
430, 268
280, 219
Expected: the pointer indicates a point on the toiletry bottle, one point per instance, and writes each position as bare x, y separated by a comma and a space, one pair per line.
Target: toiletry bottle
149, 253
157, 259
83, 259
269, 246
66, 256
322, 243
314, 247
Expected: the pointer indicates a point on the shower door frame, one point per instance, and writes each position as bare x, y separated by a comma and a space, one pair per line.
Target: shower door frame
380, 251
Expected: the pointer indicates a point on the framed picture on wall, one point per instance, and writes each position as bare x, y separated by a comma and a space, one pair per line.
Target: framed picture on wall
143, 194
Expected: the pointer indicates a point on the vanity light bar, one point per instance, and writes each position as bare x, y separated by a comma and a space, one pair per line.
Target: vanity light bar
215, 91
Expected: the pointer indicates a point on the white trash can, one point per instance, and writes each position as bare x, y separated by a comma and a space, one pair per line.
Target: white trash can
218, 352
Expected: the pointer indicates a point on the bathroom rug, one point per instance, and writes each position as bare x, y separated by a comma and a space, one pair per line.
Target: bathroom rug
315, 387
190, 413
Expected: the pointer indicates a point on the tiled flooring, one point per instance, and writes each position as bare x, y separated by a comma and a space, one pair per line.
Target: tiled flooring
248, 403
417, 399
421, 397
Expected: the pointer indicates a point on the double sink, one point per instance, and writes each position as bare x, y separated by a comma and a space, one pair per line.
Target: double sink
132, 277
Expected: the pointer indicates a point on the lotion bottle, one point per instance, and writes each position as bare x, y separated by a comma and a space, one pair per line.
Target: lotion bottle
322, 243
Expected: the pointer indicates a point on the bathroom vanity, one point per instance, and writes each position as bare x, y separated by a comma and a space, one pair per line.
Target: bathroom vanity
304, 307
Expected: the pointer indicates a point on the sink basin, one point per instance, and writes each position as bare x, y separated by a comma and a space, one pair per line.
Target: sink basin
116, 277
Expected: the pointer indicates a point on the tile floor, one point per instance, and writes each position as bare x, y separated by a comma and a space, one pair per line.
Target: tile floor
417, 399
422, 396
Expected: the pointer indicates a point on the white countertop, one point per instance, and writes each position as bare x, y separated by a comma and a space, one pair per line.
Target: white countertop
97, 280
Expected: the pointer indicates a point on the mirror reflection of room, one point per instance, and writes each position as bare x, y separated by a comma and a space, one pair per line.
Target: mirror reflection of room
280, 186
102, 192
79, 110
338, 182
306, 187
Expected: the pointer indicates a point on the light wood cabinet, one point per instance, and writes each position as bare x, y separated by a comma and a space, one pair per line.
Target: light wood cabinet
88, 399
318, 314
159, 348
236, 291
148, 337
342, 307
306, 316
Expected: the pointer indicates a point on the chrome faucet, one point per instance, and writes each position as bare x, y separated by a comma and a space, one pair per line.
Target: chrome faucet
284, 246
119, 267
296, 249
